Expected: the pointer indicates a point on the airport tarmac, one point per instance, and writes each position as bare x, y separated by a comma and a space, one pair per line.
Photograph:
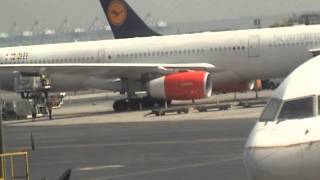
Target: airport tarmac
100, 145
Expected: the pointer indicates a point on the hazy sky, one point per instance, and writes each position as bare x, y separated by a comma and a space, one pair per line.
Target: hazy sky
51, 13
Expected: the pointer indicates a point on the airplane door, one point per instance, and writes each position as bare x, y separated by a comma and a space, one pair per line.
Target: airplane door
101, 55
254, 46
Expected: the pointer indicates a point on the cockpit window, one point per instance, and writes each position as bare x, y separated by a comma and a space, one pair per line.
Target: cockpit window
271, 110
297, 109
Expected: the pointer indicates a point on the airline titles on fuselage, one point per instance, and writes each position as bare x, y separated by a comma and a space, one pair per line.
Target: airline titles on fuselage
16, 56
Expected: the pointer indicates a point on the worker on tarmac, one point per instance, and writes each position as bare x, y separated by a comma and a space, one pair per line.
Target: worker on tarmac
34, 112
50, 106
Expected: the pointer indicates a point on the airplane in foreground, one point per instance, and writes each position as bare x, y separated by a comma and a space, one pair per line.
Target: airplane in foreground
174, 67
285, 142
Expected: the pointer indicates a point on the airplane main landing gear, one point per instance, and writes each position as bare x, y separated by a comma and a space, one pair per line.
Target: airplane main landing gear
133, 102
120, 105
126, 105
138, 104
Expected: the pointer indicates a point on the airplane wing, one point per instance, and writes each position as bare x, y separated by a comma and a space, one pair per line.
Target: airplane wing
315, 52
109, 70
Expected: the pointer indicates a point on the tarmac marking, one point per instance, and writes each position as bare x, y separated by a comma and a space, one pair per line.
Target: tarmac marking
196, 165
97, 168
214, 140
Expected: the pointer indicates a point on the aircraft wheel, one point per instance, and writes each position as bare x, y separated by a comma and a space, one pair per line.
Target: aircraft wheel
120, 105
134, 104
147, 102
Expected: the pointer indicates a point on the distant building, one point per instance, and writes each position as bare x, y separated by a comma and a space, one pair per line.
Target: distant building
309, 19
4, 35
64, 33
257, 23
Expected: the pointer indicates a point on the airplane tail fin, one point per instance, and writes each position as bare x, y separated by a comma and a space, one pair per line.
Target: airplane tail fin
124, 22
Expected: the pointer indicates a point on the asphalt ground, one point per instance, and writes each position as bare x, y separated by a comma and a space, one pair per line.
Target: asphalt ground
209, 149
100, 145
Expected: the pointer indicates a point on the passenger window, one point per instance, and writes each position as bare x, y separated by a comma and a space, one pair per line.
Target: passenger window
271, 110
297, 109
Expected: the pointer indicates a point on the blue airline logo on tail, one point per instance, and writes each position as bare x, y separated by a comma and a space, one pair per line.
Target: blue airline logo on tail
124, 21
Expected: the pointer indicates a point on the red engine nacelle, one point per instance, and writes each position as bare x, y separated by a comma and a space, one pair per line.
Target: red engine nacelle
181, 86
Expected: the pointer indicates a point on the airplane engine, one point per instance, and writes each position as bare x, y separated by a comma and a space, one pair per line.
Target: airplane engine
238, 87
181, 86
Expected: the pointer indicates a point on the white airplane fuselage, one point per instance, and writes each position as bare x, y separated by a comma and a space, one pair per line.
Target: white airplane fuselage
287, 150
239, 55
285, 142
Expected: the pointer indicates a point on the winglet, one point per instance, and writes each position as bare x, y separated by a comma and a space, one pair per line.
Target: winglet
124, 22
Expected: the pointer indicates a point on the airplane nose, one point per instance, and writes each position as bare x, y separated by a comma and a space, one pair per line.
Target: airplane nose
266, 157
